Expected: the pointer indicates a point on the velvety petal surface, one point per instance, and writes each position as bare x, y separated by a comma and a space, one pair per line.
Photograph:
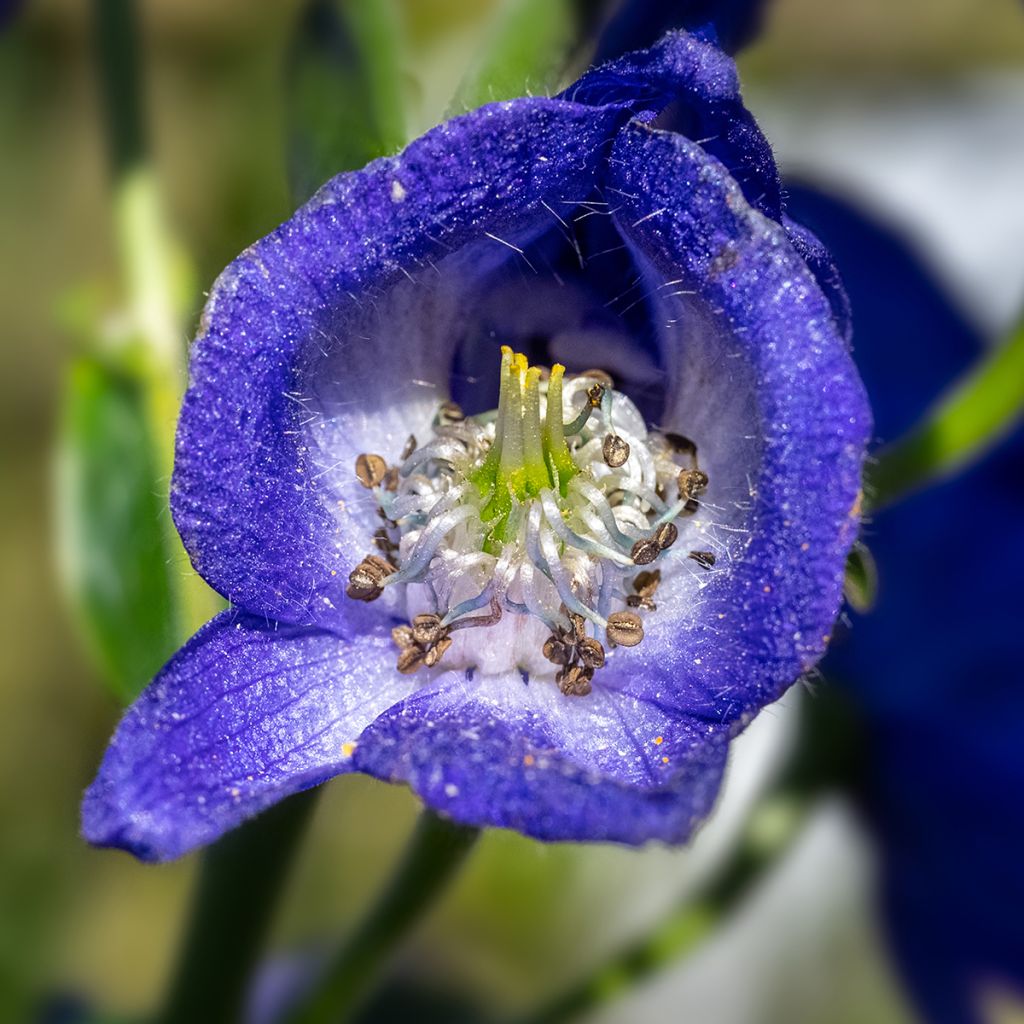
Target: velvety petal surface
504, 751
694, 88
247, 492
245, 714
763, 381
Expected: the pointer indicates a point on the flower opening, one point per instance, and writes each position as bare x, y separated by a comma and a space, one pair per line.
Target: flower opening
530, 525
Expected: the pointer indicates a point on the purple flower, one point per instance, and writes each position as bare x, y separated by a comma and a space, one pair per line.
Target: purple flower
553, 616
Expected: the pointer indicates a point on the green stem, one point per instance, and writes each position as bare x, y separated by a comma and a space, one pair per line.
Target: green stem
436, 850
973, 416
117, 52
240, 882
770, 832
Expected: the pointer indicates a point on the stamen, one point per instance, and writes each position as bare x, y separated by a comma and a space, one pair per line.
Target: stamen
370, 470
645, 551
615, 450
529, 516
625, 629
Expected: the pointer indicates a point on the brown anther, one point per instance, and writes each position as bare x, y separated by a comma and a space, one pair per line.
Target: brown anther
365, 581
411, 659
681, 445
579, 626
691, 482
666, 535
591, 653
437, 652
557, 651
636, 601
615, 450
645, 551
625, 629
382, 540
390, 481
575, 681
601, 376
646, 582
427, 628
402, 637
451, 412
705, 559
594, 395
370, 469
410, 447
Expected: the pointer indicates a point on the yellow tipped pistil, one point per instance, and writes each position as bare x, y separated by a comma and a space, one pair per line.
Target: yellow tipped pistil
529, 454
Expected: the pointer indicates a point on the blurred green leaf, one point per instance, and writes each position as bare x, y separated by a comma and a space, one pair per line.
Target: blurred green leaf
115, 531
527, 52
861, 583
972, 417
346, 104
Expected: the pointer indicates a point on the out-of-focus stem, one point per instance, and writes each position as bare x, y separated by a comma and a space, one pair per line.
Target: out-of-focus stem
769, 834
436, 850
240, 883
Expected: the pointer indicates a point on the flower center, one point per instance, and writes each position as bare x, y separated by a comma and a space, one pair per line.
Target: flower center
522, 536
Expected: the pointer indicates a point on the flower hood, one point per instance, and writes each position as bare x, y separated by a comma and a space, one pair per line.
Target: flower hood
576, 230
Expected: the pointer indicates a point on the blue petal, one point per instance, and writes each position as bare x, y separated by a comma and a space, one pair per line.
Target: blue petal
249, 491
822, 265
911, 340
694, 88
244, 715
765, 381
501, 751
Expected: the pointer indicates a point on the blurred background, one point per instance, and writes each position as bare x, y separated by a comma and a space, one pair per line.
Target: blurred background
915, 110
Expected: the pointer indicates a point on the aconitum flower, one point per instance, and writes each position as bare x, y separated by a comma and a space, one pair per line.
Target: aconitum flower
529, 459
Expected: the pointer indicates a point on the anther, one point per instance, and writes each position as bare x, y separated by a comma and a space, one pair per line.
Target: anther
601, 376
645, 551
575, 681
591, 653
557, 651
705, 559
666, 535
411, 659
365, 581
615, 450
410, 447
645, 585
625, 629
594, 395
647, 582
691, 482
427, 628
451, 412
437, 651
402, 637
579, 626
383, 542
391, 479
370, 470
